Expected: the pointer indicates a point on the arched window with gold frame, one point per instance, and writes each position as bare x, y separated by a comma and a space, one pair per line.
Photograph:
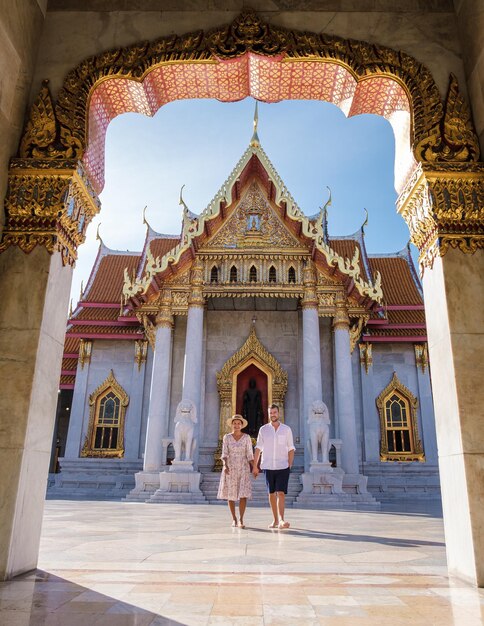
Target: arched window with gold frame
233, 274
107, 408
398, 423
291, 275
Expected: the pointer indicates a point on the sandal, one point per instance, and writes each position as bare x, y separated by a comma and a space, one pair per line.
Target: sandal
283, 525
273, 525
241, 525
234, 523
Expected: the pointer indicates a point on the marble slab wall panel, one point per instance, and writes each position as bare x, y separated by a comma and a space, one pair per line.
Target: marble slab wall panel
177, 363
146, 401
326, 338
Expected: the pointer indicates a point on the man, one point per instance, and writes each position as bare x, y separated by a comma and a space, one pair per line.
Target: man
275, 444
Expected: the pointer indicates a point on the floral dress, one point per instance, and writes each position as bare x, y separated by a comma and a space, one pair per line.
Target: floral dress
237, 454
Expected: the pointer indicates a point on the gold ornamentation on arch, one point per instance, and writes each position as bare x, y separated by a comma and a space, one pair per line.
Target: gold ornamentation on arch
438, 134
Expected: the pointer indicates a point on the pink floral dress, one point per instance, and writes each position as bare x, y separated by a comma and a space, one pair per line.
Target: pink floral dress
237, 454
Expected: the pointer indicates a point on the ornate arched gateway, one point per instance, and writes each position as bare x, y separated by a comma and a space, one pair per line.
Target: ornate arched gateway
60, 165
58, 172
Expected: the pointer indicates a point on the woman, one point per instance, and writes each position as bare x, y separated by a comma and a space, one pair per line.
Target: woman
237, 456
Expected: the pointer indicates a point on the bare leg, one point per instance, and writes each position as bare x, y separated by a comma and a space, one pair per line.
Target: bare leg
242, 507
231, 504
281, 501
273, 503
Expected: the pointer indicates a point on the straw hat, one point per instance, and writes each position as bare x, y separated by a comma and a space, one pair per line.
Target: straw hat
236, 417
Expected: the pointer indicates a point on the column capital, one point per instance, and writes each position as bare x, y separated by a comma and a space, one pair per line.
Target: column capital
49, 203
310, 298
164, 317
443, 205
196, 298
341, 318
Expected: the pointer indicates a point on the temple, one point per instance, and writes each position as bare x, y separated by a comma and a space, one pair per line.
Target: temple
253, 303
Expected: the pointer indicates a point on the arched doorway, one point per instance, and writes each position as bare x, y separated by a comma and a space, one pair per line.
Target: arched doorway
251, 361
252, 397
53, 186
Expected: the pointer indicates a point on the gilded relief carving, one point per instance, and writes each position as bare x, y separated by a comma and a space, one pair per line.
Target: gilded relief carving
443, 206
253, 224
48, 206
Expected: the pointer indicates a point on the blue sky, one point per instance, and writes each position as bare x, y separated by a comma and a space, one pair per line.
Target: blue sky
197, 143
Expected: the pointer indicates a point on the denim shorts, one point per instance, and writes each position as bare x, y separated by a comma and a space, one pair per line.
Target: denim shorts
277, 480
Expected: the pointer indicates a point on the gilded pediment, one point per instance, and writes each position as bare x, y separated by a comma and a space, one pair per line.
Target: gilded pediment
253, 224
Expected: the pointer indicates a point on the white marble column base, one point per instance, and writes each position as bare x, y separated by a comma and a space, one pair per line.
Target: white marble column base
179, 486
146, 483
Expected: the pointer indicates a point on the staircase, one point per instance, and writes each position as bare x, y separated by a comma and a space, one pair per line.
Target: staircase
210, 482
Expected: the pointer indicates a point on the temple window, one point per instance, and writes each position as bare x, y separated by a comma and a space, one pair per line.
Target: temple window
233, 274
291, 275
214, 274
105, 436
253, 274
272, 274
398, 422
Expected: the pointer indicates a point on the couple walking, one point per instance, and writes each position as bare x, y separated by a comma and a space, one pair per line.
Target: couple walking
275, 444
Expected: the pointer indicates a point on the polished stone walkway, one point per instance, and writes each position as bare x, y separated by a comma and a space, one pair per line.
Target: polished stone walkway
130, 564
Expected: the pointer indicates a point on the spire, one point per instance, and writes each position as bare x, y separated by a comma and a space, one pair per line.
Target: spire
254, 142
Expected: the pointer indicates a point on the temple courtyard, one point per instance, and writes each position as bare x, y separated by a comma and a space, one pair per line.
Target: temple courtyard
135, 564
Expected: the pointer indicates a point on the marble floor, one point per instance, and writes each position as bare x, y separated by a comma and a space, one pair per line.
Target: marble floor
132, 564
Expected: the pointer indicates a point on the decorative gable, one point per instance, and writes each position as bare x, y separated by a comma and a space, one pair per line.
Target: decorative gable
253, 224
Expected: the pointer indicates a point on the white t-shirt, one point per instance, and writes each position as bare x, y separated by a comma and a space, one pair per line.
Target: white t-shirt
275, 446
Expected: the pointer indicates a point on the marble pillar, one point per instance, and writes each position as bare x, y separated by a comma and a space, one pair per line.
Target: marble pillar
427, 416
34, 297
77, 417
371, 418
311, 352
134, 413
345, 395
454, 306
192, 370
157, 426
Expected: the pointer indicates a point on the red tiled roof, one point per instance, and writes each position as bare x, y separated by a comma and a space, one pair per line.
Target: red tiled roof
94, 313
160, 247
109, 278
71, 345
398, 284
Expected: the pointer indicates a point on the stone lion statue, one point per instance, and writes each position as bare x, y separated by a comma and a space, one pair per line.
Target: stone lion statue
318, 427
185, 419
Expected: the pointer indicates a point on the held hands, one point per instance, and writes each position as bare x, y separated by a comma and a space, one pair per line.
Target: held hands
255, 471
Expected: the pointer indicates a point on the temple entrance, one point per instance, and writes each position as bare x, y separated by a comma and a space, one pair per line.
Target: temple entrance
433, 142
237, 394
252, 397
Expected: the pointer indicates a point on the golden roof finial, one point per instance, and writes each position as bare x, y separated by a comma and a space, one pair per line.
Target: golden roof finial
255, 137
70, 308
365, 223
82, 290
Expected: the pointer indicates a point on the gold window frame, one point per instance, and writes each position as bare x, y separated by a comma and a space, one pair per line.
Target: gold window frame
416, 453
109, 385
